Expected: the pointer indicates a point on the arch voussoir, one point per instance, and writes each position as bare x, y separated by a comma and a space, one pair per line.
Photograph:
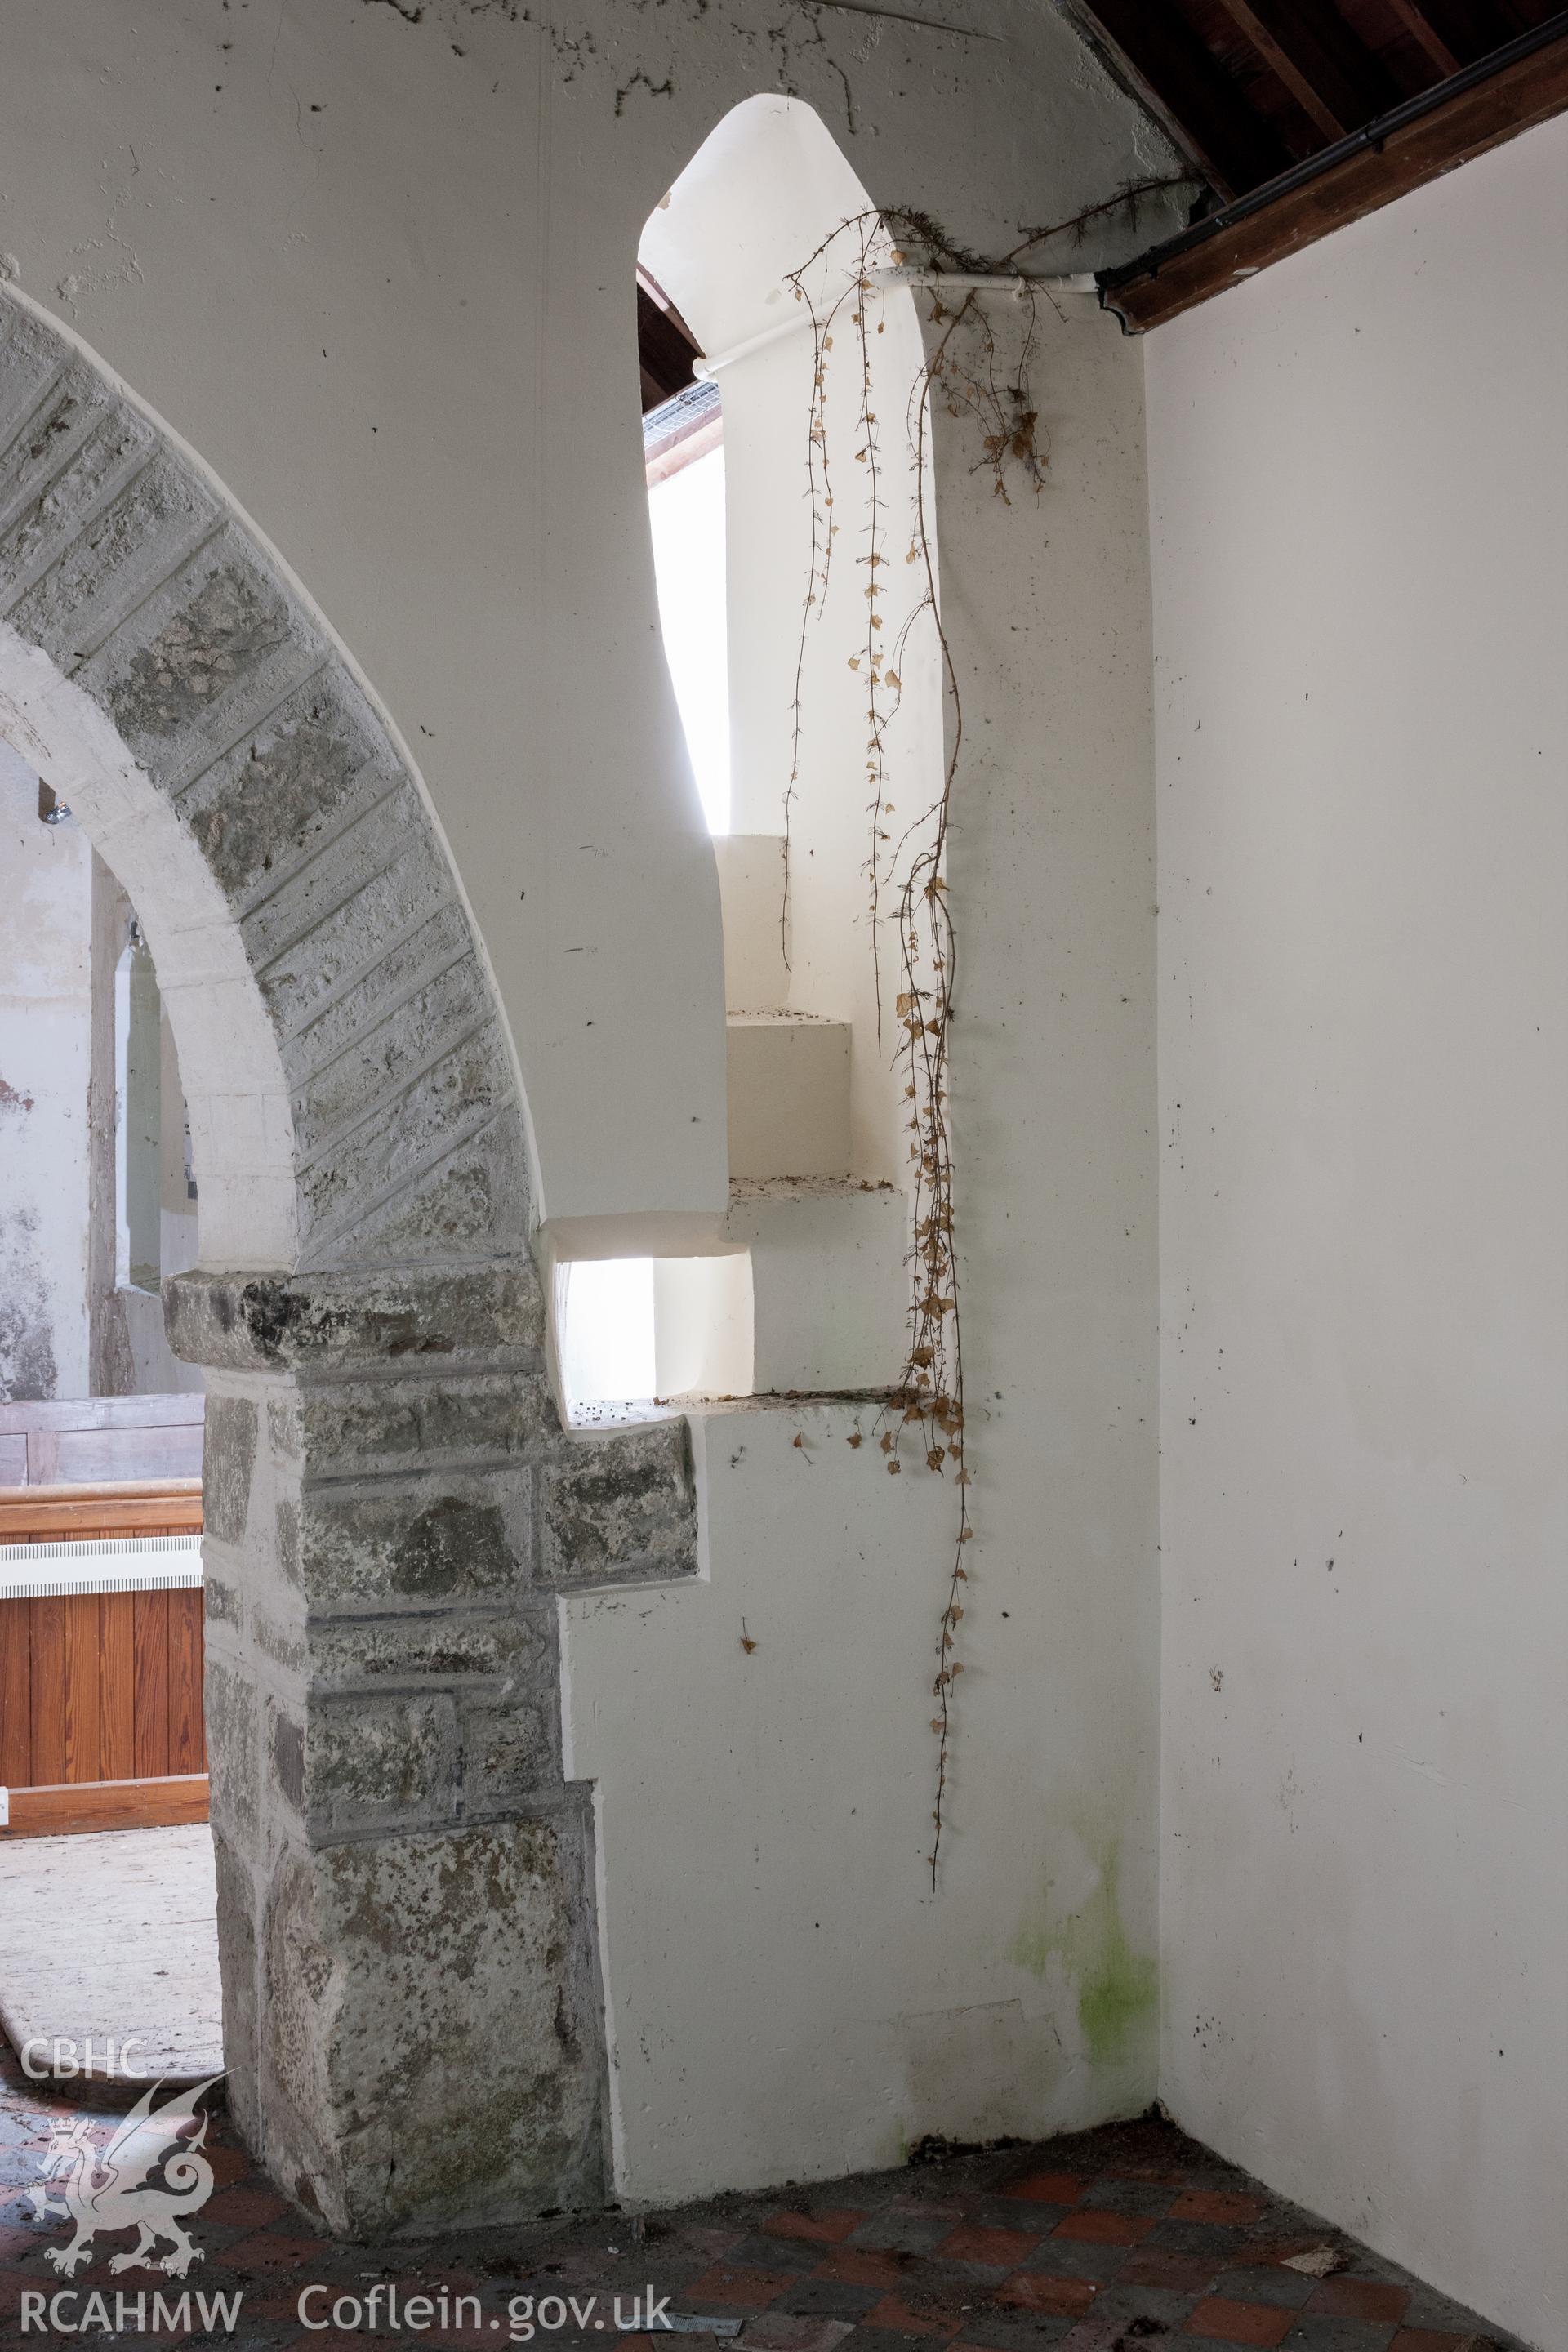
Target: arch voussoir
412, 2015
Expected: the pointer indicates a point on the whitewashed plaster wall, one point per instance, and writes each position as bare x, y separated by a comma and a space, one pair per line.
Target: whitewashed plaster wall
1361, 513
787, 1996
379, 273
46, 1020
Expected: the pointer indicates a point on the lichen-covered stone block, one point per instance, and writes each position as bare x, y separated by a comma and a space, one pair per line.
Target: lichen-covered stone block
511, 1751
333, 945
456, 1539
228, 1464
356, 1428
99, 460
231, 620
234, 1762
620, 1508
197, 666
416, 1032
378, 823
237, 1915
441, 941
379, 1761
476, 1191
325, 1319
107, 556
433, 1645
482, 2106
262, 810
404, 1139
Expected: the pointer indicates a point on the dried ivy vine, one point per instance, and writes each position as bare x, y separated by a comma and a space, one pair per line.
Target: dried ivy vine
979, 383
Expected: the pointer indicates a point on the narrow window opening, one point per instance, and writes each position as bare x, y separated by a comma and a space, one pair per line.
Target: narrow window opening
604, 1315
683, 455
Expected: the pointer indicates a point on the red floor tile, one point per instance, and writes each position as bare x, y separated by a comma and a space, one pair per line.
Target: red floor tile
1098, 2228
730, 2288
228, 2164
864, 2266
786, 2331
1037, 2291
273, 2250
1350, 2298
1001, 2248
1152, 2266
1047, 2188
831, 2228
1240, 2323
250, 2208
907, 2320
1216, 2205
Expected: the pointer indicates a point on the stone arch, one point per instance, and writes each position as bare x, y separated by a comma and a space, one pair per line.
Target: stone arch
412, 2014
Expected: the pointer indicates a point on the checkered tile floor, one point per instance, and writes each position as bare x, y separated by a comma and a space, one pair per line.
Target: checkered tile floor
1121, 2240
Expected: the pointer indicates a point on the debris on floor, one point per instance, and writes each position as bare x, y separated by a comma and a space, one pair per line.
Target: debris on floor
1119, 2240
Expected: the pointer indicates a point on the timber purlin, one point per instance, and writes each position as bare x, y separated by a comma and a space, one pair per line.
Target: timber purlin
72, 1808
131, 1506
1297, 72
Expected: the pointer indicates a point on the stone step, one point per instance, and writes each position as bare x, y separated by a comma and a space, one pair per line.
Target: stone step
829, 1283
789, 1096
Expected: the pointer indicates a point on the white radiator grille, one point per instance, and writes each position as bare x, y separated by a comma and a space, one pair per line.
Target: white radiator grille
40, 1571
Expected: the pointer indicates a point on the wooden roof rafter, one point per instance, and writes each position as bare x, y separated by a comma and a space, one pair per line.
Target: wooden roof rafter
1306, 114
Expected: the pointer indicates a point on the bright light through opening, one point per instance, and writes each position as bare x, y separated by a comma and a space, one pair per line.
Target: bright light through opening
605, 1325
688, 514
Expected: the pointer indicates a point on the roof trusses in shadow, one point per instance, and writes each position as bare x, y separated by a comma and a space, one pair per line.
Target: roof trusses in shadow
1300, 115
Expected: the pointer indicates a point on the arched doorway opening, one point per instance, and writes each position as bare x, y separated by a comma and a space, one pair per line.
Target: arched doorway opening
406, 1879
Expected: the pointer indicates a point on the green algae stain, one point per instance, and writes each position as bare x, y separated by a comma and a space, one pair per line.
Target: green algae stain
1117, 1989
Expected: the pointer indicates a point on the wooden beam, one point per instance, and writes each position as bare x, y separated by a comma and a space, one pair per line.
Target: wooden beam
664, 353
1188, 90
1333, 76
1421, 140
135, 1506
83, 1806
1454, 33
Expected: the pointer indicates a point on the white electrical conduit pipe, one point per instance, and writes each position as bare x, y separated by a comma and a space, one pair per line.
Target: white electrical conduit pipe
956, 282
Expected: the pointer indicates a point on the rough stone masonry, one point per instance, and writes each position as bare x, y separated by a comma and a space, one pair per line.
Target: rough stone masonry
412, 2020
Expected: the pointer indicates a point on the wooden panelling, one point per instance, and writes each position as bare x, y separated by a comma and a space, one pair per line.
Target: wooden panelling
107, 1805
16, 1694
103, 1412
83, 1685
187, 1744
95, 1438
101, 1686
152, 1697
117, 1686
83, 1455
48, 1757
161, 1506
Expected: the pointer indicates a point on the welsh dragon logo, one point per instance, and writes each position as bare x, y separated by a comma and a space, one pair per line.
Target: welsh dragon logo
151, 2174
